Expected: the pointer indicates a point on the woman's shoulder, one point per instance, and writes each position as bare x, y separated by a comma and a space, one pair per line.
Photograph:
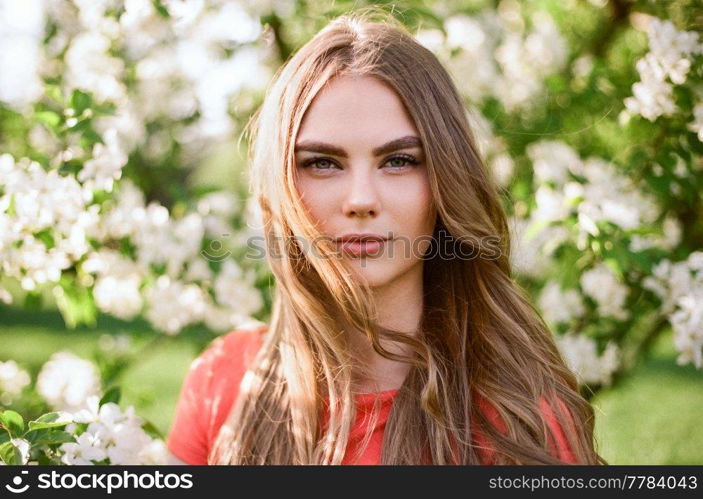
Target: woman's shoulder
209, 390
220, 367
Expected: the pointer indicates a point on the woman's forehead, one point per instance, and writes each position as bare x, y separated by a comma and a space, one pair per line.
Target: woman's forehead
356, 106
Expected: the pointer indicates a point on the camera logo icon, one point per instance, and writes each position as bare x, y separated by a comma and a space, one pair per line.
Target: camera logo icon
17, 481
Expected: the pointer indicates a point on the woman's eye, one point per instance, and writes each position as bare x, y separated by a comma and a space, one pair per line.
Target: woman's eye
401, 161
325, 164
320, 163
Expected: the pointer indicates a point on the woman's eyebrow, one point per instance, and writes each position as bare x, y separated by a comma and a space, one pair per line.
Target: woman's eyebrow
406, 142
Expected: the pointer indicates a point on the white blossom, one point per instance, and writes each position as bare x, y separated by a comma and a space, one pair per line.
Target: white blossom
163, 240
558, 305
432, 39
172, 305
66, 380
613, 197
697, 124
22, 28
106, 165
142, 27
581, 355
154, 453
42, 201
23, 447
601, 284
492, 148
474, 68
526, 61
552, 161
236, 290
5, 295
121, 220
198, 270
531, 251
123, 442
652, 95
670, 56
119, 344
551, 205
113, 434
497, 56
687, 322
680, 287
117, 287
84, 451
108, 414
13, 379
43, 141
90, 67
128, 123
672, 48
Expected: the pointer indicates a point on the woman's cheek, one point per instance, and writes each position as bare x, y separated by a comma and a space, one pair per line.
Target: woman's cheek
413, 205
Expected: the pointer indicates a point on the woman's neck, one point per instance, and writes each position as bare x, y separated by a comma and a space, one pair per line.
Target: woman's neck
400, 308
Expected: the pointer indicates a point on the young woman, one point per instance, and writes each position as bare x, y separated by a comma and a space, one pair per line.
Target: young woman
397, 335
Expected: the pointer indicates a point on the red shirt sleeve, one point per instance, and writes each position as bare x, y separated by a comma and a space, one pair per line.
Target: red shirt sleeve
208, 392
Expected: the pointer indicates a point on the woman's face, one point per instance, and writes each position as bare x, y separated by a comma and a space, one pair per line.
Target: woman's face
361, 169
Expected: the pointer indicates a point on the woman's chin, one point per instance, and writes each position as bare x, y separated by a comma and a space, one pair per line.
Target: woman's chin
376, 272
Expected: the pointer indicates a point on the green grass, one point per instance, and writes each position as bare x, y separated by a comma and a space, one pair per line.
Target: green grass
152, 383
652, 417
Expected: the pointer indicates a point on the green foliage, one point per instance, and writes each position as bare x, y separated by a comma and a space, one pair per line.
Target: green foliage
75, 302
43, 435
12, 422
111, 395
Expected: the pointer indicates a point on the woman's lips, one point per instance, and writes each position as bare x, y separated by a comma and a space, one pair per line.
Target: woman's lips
362, 248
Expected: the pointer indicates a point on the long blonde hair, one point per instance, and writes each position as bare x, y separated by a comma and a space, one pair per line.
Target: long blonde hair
479, 336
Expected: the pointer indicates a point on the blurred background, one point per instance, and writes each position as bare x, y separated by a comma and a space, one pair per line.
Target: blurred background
128, 240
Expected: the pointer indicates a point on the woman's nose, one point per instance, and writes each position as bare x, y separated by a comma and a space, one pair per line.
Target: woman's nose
361, 194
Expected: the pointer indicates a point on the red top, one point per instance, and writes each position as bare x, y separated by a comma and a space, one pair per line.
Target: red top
212, 384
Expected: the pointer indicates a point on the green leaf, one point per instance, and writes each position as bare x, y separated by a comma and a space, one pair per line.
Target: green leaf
535, 228
80, 429
44, 460
80, 101
112, 395
614, 265
9, 454
54, 92
76, 303
13, 422
49, 117
90, 138
104, 109
12, 208
152, 430
47, 237
33, 300
82, 125
158, 6
47, 421
48, 436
